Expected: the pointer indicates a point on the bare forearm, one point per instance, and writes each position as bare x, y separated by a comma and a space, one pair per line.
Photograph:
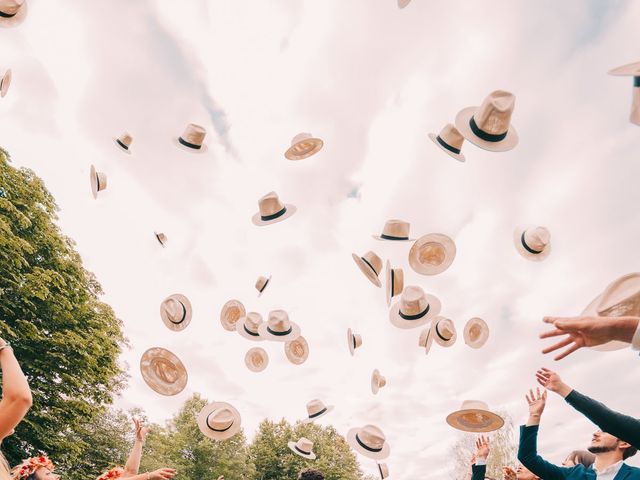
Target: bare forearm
534, 419
133, 463
15, 387
623, 328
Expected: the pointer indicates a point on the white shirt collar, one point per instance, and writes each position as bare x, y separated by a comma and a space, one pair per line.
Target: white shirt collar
610, 470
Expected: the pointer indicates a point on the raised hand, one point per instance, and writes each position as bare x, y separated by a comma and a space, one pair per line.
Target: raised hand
483, 444
508, 473
141, 432
162, 474
552, 381
536, 402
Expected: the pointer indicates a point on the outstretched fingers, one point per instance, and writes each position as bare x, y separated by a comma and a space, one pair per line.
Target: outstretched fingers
558, 345
567, 352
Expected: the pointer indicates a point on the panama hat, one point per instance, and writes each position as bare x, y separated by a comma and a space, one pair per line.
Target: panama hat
474, 416
12, 12
369, 441
5, 81
163, 371
256, 359
303, 447
489, 125
161, 237
278, 327
370, 265
316, 409
175, 311
476, 332
124, 142
247, 326
297, 351
533, 243
403, 3
620, 298
384, 470
354, 341
450, 141
432, 254
272, 210
377, 381
98, 181
231, 312
426, 338
396, 231
414, 309
219, 421
395, 282
445, 331
628, 70
262, 283
192, 139
302, 146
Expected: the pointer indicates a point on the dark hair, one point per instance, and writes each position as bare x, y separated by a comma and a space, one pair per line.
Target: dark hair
32, 476
583, 457
310, 474
629, 452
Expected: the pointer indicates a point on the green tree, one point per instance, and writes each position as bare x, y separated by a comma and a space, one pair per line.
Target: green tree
66, 339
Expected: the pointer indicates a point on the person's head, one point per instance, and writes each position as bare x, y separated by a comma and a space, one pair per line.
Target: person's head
522, 473
35, 468
310, 474
43, 473
603, 442
579, 457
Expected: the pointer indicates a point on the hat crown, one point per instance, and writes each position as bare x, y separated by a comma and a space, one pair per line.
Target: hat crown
424, 336
432, 253
494, 115
174, 309
374, 260
261, 282
621, 297
537, 238
164, 370
446, 328
10, 7
474, 405
384, 470
101, 178
257, 356
304, 444
475, 330
279, 321
300, 137
451, 135
232, 311
126, 139
372, 436
161, 237
270, 204
315, 406
396, 228
194, 134
297, 348
413, 300
220, 419
252, 320
357, 338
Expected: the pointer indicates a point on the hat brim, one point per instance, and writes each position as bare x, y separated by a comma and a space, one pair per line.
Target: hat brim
94, 182
397, 321
257, 218
264, 333
484, 333
368, 271
458, 156
207, 432
628, 70
517, 241
252, 366
243, 333
329, 408
292, 447
462, 124
202, 149
429, 339
353, 443
440, 341
227, 324
352, 348
17, 19
493, 421
264, 287
156, 384
425, 269
592, 311
158, 239
317, 146
379, 238
178, 327
296, 360
120, 147
6, 82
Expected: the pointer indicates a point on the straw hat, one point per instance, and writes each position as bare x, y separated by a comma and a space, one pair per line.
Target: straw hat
450, 141
316, 409
302, 146
303, 447
163, 371
414, 309
297, 351
123, 142
369, 441
384, 470
395, 282
533, 243
426, 338
12, 12
278, 327
489, 125
396, 231
192, 139
620, 298
219, 421
370, 265
377, 381
628, 70
5, 81
403, 3
476, 332
272, 210
474, 416
444, 331
175, 311
256, 359
354, 341
432, 254
161, 237
262, 283
247, 326
231, 312
98, 181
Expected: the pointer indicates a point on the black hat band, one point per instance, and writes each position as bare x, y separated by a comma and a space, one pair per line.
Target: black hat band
265, 285
527, 247
392, 237
188, 144
122, 144
447, 146
250, 332
220, 430
636, 81
416, 316
184, 314
370, 266
489, 137
301, 451
440, 335
7, 15
279, 334
366, 447
314, 415
266, 218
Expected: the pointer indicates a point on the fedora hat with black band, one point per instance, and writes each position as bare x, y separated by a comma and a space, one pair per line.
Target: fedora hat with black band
5, 82
383, 469
123, 142
395, 282
161, 237
395, 230
414, 309
370, 265
278, 327
175, 311
12, 12
450, 141
219, 421
316, 409
272, 210
303, 447
163, 371
192, 139
475, 416
444, 330
247, 326
303, 146
262, 283
354, 341
369, 441
425, 340
633, 70
533, 243
98, 181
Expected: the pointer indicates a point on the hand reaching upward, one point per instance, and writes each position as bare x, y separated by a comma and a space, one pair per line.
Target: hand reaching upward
552, 381
536, 402
483, 444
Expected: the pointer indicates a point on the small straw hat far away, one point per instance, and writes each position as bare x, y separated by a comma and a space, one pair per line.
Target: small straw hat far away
303, 447
450, 141
489, 125
5, 82
631, 69
533, 243
123, 142
12, 12
369, 441
98, 181
176, 312
425, 340
432, 254
371, 265
394, 282
256, 359
377, 381
303, 146
395, 231
297, 350
476, 332
163, 371
354, 341
161, 237
414, 309
192, 139
262, 283
403, 3
219, 421
444, 331
316, 409
272, 210
247, 326
475, 416
278, 327
383, 469
231, 312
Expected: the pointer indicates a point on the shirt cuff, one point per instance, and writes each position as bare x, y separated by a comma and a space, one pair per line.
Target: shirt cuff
481, 461
635, 342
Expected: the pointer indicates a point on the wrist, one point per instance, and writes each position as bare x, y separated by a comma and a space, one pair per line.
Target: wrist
624, 328
563, 390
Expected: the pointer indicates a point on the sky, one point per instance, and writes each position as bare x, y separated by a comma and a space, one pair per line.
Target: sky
372, 81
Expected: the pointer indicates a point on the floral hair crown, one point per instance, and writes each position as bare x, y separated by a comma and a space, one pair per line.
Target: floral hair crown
29, 466
112, 474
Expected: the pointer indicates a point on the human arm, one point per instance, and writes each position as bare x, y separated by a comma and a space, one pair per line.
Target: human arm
479, 466
133, 462
528, 455
160, 474
16, 394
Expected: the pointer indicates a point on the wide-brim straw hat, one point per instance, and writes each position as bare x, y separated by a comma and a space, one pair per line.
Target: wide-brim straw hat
303, 146
532, 249
450, 141
261, 284
231, 312
245, 330
394, 282
476, 332
163, 371
497, 103
368, 269
400, 315
190, 130
98, 181
369, 441
425, 340
270, 330
286, 210
299, 448
383, 469
16, 18
184, 315
256, 359
628, 70
297, 351
378, 381
475, 416
316, 409
224, 424
432, 254
395, 230
5, 82
354, 341
440, 325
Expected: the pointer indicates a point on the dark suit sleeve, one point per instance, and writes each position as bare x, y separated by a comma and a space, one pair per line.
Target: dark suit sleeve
479, 472
624, 427
528, 456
